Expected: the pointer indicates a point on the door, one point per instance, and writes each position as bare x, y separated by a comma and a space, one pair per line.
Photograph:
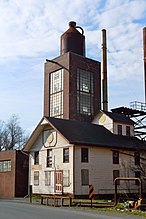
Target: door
59, 179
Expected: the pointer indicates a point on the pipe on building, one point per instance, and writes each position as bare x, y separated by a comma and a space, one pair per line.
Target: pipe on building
144, 48
126, 179
104, 72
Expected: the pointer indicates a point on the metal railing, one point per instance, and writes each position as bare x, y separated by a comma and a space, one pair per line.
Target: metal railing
138, 106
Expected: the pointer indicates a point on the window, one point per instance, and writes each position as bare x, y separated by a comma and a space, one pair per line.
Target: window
137, 175
84, 155
66, 178
36, 157
119, 129
85, 177
127, 130
84, 92
48, 178
36, 178
66, 155
115, 157
137, 158
5, 166
49, 158
116, 173
56, 94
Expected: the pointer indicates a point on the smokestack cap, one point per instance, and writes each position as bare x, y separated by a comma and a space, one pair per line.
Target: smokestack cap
72, 40
72, 24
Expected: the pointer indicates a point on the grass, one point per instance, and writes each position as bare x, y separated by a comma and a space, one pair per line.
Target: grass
120, 207
115, 210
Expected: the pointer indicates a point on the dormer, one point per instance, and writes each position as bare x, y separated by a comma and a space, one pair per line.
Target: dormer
117, 123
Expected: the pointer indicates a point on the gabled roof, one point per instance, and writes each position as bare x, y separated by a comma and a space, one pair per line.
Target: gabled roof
82, 133
119, 117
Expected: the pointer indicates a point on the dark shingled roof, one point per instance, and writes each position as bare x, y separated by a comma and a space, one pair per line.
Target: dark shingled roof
119, 117
82, 133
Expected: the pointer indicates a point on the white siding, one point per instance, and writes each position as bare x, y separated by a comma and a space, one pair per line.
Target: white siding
57, 164
108, 123
101, 168
115, 130
103, 119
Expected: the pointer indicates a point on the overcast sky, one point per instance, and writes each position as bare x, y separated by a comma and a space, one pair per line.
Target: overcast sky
30, 32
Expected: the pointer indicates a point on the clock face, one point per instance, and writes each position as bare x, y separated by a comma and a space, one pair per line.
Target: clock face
50, 137
102, 119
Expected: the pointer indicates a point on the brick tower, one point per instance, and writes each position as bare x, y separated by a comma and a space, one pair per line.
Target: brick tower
72, 82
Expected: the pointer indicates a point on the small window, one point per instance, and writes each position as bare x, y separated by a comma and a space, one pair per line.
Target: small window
5, 166
119, 129
137, 175
137, 158
66, 155
48, 178
66, 178
84, 155
36, 178
85, 177
49, 158
85, 92
116, 173
115, 157
36, 157
127, 130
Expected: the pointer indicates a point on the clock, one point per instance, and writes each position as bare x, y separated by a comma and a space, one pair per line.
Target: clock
102, 118
50, 138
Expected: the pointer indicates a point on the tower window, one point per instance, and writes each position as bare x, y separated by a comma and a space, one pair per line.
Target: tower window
56, 94
115, 157
66, 155
116, 174
36, 178
5, 165
119, 129
49, 158
36, 157
137, 175
137, 158
84, 177
84, 92
47, 178
127, 130
84, 155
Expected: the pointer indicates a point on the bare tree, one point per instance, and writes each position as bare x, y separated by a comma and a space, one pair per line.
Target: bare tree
2, 130
12, 136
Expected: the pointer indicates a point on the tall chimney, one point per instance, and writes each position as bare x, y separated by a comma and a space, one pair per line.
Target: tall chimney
144, 48
104, 72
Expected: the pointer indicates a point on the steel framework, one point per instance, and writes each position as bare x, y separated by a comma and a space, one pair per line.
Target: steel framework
137, 112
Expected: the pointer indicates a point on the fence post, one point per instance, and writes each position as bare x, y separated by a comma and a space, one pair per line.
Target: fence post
30, 193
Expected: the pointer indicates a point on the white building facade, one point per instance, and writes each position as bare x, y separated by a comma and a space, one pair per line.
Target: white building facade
61, 165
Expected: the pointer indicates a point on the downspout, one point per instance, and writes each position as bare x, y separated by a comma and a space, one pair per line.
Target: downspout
73, 170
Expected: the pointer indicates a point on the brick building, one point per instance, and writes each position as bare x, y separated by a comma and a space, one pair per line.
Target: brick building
13, 174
